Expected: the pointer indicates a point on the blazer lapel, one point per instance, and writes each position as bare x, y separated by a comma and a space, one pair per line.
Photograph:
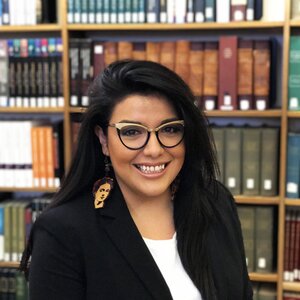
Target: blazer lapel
117, 221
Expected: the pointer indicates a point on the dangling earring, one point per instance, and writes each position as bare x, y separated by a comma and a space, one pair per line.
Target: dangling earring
103, 186
174, 187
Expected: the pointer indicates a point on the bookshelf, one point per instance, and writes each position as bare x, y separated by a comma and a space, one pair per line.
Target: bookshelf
282, 115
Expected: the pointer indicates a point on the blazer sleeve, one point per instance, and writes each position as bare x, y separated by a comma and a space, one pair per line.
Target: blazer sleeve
55, 270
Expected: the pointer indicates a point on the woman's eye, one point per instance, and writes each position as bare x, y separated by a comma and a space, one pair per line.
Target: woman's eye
130, 131
171, 129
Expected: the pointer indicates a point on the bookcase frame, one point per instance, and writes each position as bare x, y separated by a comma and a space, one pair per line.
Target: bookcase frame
65, 30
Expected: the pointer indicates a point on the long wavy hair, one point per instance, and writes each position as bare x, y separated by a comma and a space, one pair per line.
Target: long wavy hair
193, 204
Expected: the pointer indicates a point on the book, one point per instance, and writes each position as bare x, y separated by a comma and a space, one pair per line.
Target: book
84, 11
58, 152
245, 74
291, 249
294, 75
128, 10
295, 9
199, 11
110, 52
261, 61
269, 162
91, 11
142, 11
267, 291
70, 11
293, 166
287, 276
251, 155
113, 12
258, 10
4, 84
124, 50
77, 11
264, 235
233, 154
153, 51
98, 58
180, 11
153, 11
228, 59
39, 73
135, 11
223, 11
190, 15
74, 47
250, 10
167, 54
210, 10
171, 11
46, 72
238, 10
99, 11
182, 67
210, 69
5, 12
247, 218
218, 134
53, 70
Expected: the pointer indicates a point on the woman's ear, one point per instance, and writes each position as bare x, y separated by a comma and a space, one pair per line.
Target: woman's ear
102, 139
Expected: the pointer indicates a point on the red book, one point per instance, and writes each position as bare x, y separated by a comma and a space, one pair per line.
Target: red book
286, 260
297, 247
98, 58
227, 94
292, 246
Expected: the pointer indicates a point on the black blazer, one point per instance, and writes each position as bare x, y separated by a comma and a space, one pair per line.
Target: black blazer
83, 253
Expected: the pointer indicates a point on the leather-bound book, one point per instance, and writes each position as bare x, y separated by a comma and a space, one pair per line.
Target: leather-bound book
238, 10
124, 50
153, 51
245, 74
167, 54
182, 53
139, 51
110, 52
196, 68
98, 58
287, 239
210, 80
261, 71
227, 93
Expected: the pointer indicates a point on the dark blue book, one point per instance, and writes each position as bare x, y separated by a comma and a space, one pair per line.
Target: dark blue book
258, 11
293, 166
199, 11
153, 11
5, 12
250, 10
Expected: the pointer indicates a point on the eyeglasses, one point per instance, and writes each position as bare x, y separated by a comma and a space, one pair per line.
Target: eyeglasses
135, 136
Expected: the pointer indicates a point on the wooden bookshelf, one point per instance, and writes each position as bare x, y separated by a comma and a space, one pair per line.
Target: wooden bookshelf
282, 115
6, 264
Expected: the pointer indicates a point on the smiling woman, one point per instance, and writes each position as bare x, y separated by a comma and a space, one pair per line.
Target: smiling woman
140, 214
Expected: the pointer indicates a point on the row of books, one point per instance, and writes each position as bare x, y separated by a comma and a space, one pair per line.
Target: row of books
27, 12
13, 285
264, 291
291, 296
248, 159
252, 65
16, 219
292, 245
31, 72
173, 11
258, 228
293, 165
31, 153
294, 73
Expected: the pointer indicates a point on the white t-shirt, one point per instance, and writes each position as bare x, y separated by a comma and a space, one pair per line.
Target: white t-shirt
168, 261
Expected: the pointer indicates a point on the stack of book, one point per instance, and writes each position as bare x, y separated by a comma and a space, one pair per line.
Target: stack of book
31, 154
248, 159
258, 228
293, 166
248, 85
173, 11
31, 73
27, 12
292, 245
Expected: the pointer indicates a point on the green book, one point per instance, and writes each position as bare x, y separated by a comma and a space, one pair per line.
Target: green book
128, 11
7, 231
218, 134
247, 218
113, 11
91, 11
210, 10
77, 11
294, 74
121, 11
14, 232
267, 291
84, 11
269, 162
233, 158
99, 11
251, 161
70, 11
21, 287
264, 233
106, 11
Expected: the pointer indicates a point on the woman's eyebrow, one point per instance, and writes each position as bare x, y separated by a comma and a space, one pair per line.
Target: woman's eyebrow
162, 122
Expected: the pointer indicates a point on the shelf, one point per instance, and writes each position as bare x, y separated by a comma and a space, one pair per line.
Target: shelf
30, 28
241, 199
293, 114
291, 286
295, 23
20, 189
77, 109
269, 277
292, 202
31, 110
270, 113
166, 26
9, 264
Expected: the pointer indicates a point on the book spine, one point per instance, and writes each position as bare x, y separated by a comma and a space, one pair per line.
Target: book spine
52, 72
199, 11
210, 10
77, 11
25, 72
223, 11
46, 72
292, 248
128, 10
7, 232
170, 11
245, 74
59, 74
233, 159
142, 11
1, 232
18, 70
218, 134
295, 10
258, 11
227, 94
196, 68
250, 10
139, 51
153, 51
110, 52
297, 248
294, 75
48, 134
251, 154
261, 71
32, 73
98, 58
5, 12
135, 11
14, 232
74, 72
182, 52
153, 11
58, 150
113, 14
238, 10
124, 50
35, 157
91, 11
99, 11
42, 154
84, 11
4, 69
180, 11
210, 83
287, 234
70, 11
269, 161
163, 11
39, 73
12, 74
167, 54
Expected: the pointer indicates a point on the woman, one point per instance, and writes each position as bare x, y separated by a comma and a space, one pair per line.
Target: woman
140, 215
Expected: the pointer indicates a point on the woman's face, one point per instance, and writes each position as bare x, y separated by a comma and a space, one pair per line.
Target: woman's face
149, 171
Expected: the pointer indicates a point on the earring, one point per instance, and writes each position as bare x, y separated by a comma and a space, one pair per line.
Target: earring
174, 187
103, 186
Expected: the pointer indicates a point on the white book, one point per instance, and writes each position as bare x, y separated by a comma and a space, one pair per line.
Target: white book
273, 10
27, 154
223, 11
180, 11
171, 11
30, 12
12, 12
1, 232
2, 153
15, 153
4, 73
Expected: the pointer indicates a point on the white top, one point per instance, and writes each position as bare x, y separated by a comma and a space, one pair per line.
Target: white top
168, 261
